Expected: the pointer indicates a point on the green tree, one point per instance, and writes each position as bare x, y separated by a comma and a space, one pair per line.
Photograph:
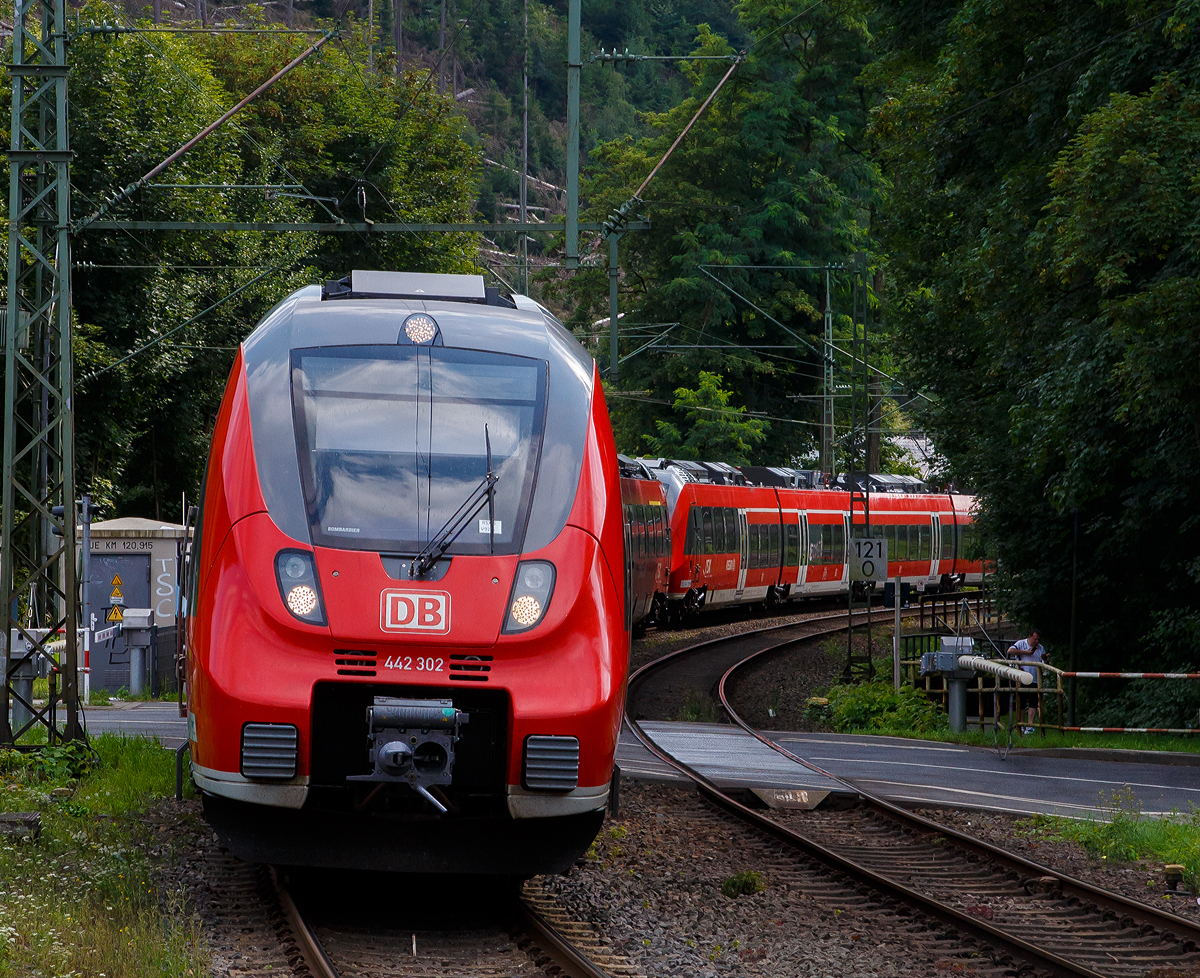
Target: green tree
1040, 220
773, 177
326, 129
711, 430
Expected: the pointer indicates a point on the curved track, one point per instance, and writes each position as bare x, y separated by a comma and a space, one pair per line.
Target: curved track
1007, 906
524, 935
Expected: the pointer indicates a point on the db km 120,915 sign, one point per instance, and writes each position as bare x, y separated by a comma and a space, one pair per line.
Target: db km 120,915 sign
868, 560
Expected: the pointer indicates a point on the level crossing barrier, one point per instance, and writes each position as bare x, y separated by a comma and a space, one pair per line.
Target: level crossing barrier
1048, 689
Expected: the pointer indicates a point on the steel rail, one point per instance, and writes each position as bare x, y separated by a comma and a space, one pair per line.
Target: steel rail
981, 931
1071, 886
306, 940
569, 959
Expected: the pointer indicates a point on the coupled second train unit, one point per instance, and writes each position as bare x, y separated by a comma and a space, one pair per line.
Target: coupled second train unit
417, 566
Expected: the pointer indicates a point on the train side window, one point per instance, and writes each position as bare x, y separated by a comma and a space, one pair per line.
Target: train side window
816, 536
838, 554
925, 531
718, 529
707, 522
732, 537
643, 531
692, 530
774, 545
793, 546
753, 531
947, 542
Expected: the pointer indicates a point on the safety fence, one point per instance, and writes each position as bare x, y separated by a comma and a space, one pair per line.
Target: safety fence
958, 610
992, 694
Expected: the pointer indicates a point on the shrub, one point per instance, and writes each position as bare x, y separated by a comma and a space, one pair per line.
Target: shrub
877, 706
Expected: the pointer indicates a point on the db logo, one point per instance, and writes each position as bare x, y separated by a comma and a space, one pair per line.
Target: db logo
415, 611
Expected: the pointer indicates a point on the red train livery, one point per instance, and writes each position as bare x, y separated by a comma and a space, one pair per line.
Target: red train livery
732, 542
407, 623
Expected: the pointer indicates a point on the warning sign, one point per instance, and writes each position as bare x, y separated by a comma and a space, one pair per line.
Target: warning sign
116, 614
116, 593
116, 581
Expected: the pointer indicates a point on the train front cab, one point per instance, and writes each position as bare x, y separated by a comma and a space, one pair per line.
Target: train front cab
279, 700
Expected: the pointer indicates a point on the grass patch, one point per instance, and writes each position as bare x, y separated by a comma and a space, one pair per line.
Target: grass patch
699, 708
1054, 738
1124, 834
746, 883
877, 707
83, 899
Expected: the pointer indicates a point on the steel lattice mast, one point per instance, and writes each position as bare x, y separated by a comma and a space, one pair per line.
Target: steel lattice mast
37, 552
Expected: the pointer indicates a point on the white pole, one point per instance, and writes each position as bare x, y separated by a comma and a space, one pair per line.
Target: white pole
896, 636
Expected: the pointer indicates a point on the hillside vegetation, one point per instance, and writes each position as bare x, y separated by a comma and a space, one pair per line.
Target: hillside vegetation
1020, 178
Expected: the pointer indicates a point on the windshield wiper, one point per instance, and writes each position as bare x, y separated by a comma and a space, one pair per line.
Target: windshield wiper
485, 492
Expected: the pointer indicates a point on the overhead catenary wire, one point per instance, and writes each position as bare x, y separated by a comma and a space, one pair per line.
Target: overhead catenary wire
206, 131
200, 315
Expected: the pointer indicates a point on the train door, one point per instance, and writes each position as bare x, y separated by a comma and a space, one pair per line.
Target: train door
846, 550
935, 548
802, 570
627, 511
743, 552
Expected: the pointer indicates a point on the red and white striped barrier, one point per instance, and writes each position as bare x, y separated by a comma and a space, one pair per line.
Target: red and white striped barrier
1131, 675
1145, 730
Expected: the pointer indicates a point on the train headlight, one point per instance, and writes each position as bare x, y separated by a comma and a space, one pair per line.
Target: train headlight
302, 600
296, 574
420, 328
530, 595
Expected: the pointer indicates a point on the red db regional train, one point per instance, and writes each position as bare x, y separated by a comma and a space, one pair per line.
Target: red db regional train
762, 535
407, 623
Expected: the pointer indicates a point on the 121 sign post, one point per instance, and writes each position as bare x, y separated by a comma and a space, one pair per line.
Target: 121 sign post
868, 559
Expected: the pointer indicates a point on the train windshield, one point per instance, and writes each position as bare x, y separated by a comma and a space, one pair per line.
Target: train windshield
391, 442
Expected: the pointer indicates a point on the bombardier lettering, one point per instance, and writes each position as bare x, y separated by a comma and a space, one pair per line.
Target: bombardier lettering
417, 611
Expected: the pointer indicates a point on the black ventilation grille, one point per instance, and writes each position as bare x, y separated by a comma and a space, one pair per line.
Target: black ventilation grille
269, 751
470, 668
351, 662
551, 763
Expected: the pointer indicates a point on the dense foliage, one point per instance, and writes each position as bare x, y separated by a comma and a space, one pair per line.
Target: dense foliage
323, 132
1022, 179
772, 177
1041, 223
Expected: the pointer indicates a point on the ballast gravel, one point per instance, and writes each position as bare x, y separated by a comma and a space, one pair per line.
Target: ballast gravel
653, 886
1036, 839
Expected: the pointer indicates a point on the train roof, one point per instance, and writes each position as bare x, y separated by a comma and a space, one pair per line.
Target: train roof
371, 309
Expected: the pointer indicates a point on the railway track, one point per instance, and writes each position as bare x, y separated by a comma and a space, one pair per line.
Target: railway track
1007, 908
511, 934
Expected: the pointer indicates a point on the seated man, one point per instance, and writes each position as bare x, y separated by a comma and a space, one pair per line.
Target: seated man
1029, 650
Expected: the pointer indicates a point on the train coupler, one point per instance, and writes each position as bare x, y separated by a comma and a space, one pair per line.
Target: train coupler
412, 742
